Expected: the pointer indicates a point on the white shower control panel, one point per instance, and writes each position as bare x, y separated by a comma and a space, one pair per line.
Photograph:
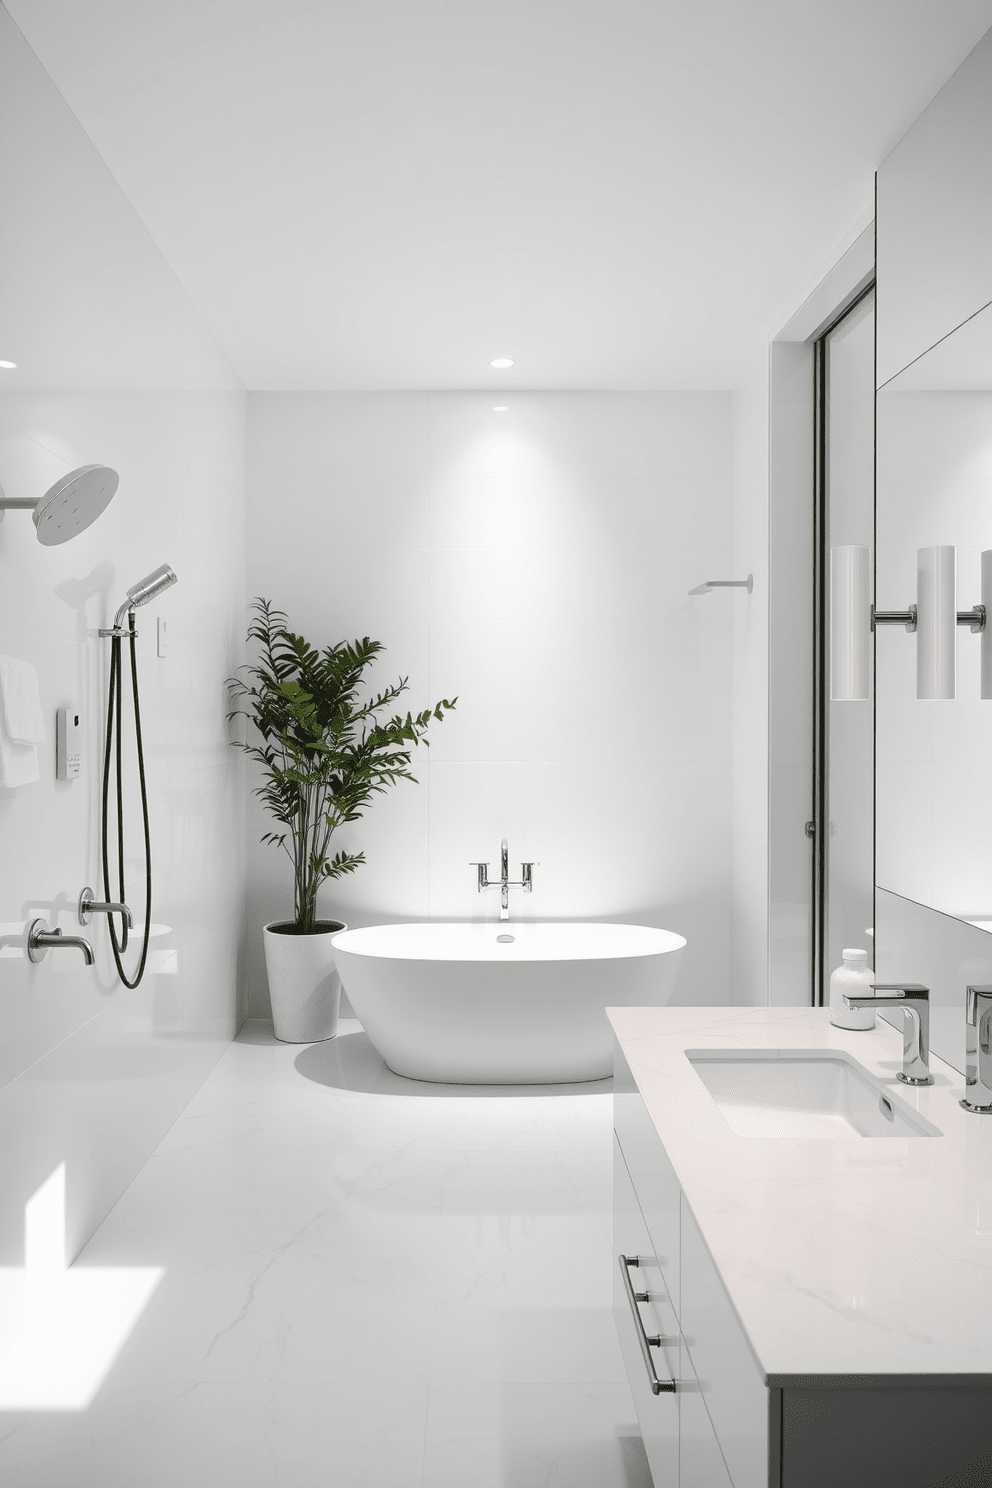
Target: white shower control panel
68, 744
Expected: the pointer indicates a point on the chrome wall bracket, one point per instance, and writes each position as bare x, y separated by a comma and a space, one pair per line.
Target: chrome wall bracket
894, 617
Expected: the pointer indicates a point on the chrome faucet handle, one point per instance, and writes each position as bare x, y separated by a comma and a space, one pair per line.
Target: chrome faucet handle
527, 877
978, 1050
42, 939
914, 1000
89, 906
484, 883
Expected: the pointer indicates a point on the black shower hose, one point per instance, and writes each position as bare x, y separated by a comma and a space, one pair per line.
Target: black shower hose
114, 749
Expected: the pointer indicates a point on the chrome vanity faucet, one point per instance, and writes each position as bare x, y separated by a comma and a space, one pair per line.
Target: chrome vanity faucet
915, 1002
978, 1050
505, 884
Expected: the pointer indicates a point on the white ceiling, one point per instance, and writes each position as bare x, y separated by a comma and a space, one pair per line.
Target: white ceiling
388, 193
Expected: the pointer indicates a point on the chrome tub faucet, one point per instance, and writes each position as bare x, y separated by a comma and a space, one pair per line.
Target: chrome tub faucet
42, 939
978, 1050
914, 1000
504, 883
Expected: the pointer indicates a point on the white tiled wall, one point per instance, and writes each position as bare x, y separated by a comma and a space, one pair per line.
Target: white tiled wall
536, 563
749, 728
114, 365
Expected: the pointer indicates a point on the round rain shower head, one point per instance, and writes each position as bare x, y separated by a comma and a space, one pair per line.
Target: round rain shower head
74, 502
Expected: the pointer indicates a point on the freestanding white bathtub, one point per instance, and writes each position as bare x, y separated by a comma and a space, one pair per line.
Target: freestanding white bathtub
502, 1003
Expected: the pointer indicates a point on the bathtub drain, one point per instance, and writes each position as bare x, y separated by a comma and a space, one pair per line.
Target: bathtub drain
506, 939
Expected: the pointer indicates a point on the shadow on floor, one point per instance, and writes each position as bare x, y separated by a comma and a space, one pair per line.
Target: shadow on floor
349, 1062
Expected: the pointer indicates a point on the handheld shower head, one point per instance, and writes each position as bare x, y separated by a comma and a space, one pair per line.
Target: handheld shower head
152, 585
148, 588
70, 506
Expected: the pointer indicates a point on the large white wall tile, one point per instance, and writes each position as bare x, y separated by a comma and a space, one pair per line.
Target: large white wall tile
750, 685
536, 564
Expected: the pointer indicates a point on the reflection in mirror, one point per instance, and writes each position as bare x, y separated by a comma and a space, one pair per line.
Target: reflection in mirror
933, 868
934, 758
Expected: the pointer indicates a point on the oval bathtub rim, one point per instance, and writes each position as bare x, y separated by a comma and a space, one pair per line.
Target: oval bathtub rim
501, 954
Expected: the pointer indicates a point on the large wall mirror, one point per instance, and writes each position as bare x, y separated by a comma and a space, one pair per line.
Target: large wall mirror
933, 846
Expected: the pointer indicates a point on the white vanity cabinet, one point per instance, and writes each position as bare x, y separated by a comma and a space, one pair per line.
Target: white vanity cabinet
735, 1420
679, 1439
703, 1357
650, 1312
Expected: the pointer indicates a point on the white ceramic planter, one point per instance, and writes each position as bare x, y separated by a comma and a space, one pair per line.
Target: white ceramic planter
304, 986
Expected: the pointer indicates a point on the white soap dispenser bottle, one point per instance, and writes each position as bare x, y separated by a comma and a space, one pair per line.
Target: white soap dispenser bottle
853, 977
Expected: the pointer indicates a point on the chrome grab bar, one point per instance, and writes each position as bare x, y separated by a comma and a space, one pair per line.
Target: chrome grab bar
647, 1341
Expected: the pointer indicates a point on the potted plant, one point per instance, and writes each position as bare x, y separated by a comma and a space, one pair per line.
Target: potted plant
324, 753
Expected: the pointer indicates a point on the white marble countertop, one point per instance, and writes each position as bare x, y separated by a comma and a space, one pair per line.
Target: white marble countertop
852, 1257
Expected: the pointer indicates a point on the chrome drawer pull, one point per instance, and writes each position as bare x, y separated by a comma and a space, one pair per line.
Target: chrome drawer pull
658, 1387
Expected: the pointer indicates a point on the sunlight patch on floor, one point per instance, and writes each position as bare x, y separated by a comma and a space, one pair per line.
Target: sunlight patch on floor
62, 1327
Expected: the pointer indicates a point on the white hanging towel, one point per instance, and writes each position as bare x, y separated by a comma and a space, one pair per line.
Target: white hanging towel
22, 726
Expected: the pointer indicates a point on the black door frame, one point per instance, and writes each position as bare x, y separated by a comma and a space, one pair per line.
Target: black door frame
816, 827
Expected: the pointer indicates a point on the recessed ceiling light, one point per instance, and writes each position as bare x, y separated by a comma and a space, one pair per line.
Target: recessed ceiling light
500, 408
10, 365
501, 362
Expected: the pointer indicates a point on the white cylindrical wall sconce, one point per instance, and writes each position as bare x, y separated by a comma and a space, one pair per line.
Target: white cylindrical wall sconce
850, 624
935, 618
936, 623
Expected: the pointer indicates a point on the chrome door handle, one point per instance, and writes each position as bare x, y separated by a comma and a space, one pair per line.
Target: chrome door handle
647, 1342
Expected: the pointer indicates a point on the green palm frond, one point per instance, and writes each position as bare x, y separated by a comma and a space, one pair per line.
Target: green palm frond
325, 751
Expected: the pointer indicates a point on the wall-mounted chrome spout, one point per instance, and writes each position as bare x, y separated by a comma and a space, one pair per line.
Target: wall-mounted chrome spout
89, 906
705, 588
68, 507
42, 939
505, 883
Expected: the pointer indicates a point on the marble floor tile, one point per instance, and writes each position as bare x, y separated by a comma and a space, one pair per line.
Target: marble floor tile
525, 1260
524, 1345
366, 1282
229, 1436
533, 1436
545, 1178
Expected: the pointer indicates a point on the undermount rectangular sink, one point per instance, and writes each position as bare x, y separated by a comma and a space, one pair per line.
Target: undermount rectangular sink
802, 1093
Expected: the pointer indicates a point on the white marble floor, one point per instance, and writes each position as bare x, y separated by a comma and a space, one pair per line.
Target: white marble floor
367, 1283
